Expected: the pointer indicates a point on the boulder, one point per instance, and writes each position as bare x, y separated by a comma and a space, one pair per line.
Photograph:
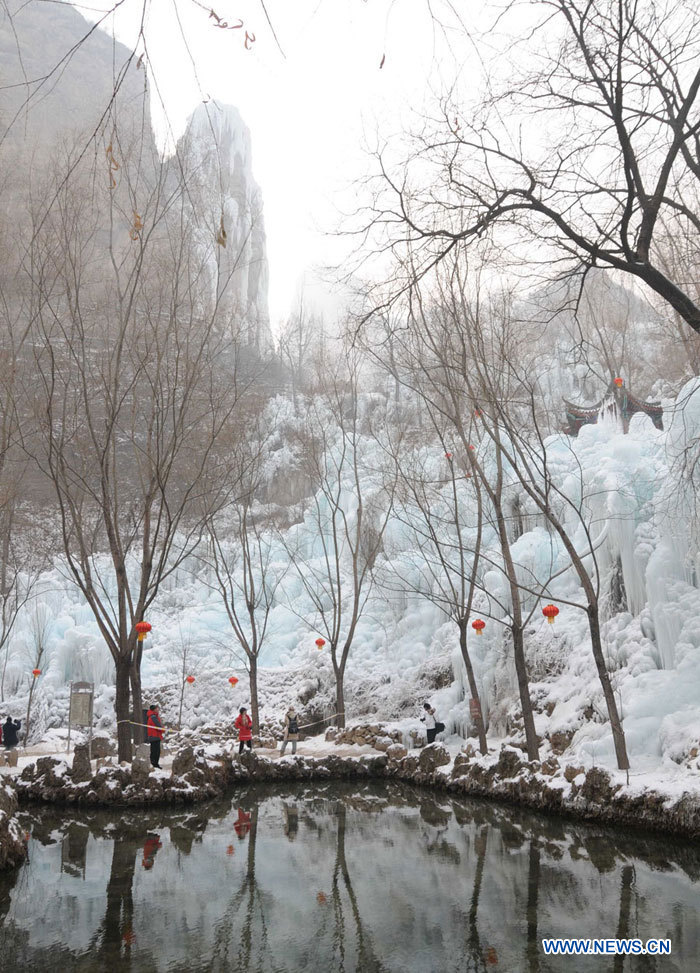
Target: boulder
12, 756
183, 762
141, 764
432, 757
396, 752
81, 764
103, 746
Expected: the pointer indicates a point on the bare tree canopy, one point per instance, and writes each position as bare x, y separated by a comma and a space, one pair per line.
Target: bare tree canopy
582, 150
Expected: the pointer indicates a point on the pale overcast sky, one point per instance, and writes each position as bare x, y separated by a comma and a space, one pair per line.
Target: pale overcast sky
308, 108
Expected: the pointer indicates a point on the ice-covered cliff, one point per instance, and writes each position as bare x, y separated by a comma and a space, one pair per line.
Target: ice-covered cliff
217, 148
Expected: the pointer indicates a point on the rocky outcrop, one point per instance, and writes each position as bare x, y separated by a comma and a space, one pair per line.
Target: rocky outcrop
12, 846
375, 735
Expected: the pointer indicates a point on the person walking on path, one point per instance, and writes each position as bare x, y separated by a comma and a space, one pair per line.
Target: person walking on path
432, 726
155, 734
244, 725
9, 732
291, 730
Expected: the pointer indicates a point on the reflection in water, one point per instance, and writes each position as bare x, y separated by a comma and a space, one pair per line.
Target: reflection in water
374, 878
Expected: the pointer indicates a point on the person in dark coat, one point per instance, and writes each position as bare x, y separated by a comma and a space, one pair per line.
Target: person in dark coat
9, 732
155, 734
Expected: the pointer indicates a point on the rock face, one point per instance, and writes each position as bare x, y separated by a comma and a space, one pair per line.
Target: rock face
217, 144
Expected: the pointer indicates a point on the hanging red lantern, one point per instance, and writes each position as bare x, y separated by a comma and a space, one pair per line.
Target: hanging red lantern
36, 672
142, 628
230, 850
189, 679
233, 680
619, 382
478, 625
550, 612
448, 455
472, 447
320, 643
477, 414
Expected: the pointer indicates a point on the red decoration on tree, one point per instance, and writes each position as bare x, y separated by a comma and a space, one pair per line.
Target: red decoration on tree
233, 680
478, 625
472, 447
550, 612
36, 672
142, 628
448, 455
320, 643
189, 679
619, 382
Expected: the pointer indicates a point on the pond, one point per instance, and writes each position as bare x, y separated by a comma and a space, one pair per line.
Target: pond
325, 877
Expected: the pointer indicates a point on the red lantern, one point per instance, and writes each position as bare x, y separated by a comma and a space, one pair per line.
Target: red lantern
189, 679
550, 612
320, 643
142, 628
478, 625
448, 455
619, 382
472, 447
36, 672
233, 680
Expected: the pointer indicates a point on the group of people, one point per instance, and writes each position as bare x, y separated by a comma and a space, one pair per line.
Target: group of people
244, 725
8, 733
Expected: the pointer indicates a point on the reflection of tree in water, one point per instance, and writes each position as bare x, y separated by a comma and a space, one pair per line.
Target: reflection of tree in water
249, 906
475, 958
113, 939
367, 960
533, 894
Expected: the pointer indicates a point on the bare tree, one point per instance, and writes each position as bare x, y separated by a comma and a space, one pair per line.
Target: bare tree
334, 550
39, 627
574, 156
135, 392
445, 517
488, 359
240, 552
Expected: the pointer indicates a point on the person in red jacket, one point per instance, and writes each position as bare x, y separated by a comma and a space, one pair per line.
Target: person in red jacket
155, 734
244, 725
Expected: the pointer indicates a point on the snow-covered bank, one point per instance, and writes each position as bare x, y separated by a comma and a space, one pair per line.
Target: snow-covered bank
200, 772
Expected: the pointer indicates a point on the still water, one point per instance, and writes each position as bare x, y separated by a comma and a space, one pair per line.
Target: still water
336, 877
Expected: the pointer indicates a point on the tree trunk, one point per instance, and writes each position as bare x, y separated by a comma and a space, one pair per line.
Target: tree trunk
138, 732
604, 676
533, 752
121, 706
339, 698
479, 721
253, 682
29, 710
